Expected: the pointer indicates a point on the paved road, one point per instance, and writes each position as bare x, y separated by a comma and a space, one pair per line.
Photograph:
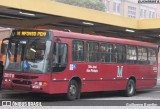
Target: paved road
88, 99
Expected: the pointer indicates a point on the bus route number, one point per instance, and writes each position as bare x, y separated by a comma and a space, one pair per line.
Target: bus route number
32, 34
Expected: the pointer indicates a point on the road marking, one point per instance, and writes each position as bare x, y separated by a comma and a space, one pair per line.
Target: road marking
11, 92
155, 91
157, 86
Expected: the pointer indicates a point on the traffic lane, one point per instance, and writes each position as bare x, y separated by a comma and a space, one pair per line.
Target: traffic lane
145, 94
9, 94
91, 99
149, 94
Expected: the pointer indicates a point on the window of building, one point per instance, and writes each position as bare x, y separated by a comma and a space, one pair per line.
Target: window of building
107, 4
152, 14
133, 1
131, 12
92, 49
78, 50
131, 54
151, 56
143, 13
142, 55
116, 7
106, 53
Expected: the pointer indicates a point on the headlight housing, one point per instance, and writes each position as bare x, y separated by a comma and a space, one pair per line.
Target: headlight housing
40, 83
7, 80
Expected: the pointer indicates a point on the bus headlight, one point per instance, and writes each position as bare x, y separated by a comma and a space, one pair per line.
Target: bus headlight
35, 83
40, 83
7, 80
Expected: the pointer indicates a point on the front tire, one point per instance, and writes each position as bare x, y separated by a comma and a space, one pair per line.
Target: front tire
130, 88
73, 90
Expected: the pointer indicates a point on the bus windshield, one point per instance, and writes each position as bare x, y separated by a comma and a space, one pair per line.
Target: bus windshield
29, 56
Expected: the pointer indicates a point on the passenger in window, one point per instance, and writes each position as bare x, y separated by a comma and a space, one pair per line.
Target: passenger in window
80, 53
95, 54
55, 60
102, 50
115, 54
109, 56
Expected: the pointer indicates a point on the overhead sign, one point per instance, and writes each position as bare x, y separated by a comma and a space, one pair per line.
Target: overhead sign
29, 33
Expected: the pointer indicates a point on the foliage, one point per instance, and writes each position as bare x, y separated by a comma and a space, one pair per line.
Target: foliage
85, 3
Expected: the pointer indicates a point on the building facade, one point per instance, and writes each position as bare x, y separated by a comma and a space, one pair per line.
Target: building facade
158, 10
132, 9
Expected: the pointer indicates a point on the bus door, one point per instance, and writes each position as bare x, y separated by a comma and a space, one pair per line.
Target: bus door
91, 74
59, 60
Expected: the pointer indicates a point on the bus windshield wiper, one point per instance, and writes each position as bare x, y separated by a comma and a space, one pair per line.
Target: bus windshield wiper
33, 42
10, 52
32, 50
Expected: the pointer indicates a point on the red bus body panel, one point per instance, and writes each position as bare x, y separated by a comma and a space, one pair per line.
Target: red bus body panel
104, 80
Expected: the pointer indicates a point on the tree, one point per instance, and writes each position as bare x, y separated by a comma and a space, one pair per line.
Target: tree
85, 3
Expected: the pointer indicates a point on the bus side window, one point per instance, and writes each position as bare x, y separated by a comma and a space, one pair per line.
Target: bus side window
60, 57
119, 53
102, 53
142, 55
106, 53
131, 54
92, 49
78, 51
151, 56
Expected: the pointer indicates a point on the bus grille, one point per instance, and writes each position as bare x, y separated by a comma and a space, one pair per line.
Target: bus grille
24, 82
21, 88
25, 77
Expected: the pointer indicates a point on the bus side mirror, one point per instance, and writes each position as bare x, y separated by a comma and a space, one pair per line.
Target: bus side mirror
2, 49
4, 46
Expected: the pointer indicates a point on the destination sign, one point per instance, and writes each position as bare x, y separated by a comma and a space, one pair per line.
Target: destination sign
30, 33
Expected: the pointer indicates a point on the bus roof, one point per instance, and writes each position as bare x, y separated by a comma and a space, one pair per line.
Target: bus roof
98, 38
101, 38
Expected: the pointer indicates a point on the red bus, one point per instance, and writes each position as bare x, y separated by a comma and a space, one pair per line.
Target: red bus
55, 62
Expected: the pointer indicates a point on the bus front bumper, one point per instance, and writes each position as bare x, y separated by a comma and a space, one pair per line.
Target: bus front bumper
31, 88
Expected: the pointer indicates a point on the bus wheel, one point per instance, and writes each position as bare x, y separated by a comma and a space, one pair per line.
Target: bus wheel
73, 91
130, 88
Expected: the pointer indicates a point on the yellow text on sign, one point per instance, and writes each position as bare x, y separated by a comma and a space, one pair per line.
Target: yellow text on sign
32, 34
41, 34
29, 34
